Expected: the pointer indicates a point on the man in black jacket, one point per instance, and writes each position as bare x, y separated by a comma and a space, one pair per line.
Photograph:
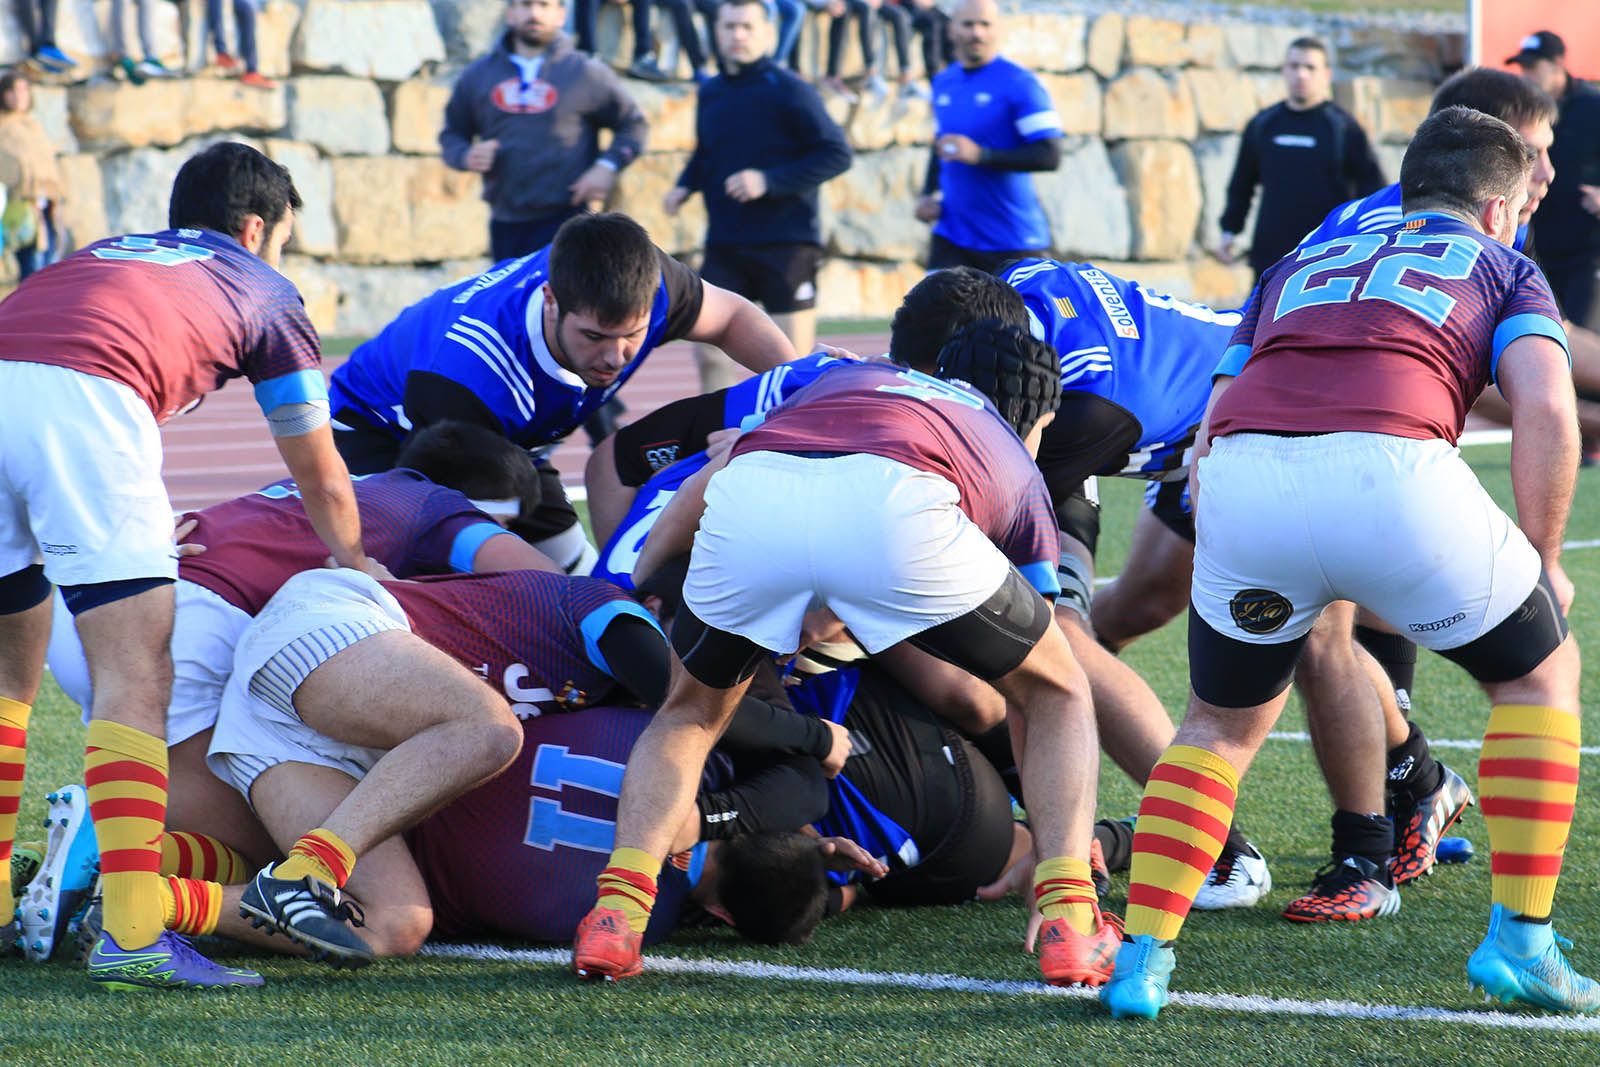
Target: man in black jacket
1308, 155
764, 146
1566, 229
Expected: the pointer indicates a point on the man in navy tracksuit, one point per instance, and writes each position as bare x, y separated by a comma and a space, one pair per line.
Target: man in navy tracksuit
764, 146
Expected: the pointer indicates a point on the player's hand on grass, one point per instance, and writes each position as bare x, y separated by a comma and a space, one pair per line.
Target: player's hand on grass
843, 854
929, 208
840, 750
185, 527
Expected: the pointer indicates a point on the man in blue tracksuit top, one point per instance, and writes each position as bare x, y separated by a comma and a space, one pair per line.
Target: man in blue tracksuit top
530, 348
763, 146
995, 123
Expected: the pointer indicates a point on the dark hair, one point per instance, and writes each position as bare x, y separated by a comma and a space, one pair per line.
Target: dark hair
773, 885
605, 265
218, 187
1308, 44
8, 81
1512, 99
762, 4
1459, 159
940, 305
474, 460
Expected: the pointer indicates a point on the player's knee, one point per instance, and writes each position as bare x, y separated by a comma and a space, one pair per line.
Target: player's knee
500, 739
399, 930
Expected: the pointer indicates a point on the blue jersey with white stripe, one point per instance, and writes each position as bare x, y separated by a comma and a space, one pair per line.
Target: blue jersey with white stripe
1380, 211
621, 553
1149, 353
999, 105
486, 334
759, 395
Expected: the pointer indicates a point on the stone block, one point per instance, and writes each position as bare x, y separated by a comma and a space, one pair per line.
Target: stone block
341, 116
1144, 103
388, 40
469, 28
1389, 109
316, 233
83, 212
1104, 45
1269, 88
1200, 281
875, 122
370, 297
670, 109
1215, 156
138, 184
853, 289
1086, 204
404, 209
1046, 41
1163, 187
1153, 42
418, 115
164, 112
51, 109
275, 26
867, 210
320, 292
1261, 46
1208, 45
1078, 100
640, 191
226, 104
1224, 100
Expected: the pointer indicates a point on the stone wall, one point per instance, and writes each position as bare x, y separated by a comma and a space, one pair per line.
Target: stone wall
1153, 104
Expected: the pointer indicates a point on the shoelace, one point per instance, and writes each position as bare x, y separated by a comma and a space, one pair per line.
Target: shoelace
1339, 874
336, 903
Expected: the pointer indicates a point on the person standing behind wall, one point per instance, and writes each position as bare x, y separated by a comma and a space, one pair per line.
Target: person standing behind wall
995, 123
1307, 153
764, 144
32, 177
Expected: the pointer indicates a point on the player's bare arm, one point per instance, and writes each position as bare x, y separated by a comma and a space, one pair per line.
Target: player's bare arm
673, 533
740, 329
330, 503
1534, 377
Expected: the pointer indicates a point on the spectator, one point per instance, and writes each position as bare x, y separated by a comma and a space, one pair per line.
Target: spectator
933, 26
645, 65
764, 144
995, 123
1566, 228
1308, 155
38, 21
244, 17
897, 18
28, 163
150, 66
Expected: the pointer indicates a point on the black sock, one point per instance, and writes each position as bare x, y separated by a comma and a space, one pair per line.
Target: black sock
1368, 836
1116, 841
1413, 772
1545, 921
1236, 842
1398, 658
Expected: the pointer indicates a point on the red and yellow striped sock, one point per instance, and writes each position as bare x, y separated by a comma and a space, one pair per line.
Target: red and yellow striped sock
190, 855
13, 760
190, 906
1183, 823
321, 854
1063, 890
1527, 784
629, 884
125, 772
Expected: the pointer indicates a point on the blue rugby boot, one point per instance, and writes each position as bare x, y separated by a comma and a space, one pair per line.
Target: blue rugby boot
170, 963
1138, 986
64, 879
1523, 961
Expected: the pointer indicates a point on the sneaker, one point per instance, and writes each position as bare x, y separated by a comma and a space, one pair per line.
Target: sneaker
226, 63
877, 86
153, 68
915, 91
53, 59
1138, 986
25, 863
1239, 879
130, 70
90, 924
645, 68
838, 88
607, 947
257, 80
170, 963
1067, 957
1417, 833
1524, 961
62, 884
309, 912
1099, 872
1348, 889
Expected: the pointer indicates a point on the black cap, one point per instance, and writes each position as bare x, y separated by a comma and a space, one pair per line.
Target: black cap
1541, 45
1020, 374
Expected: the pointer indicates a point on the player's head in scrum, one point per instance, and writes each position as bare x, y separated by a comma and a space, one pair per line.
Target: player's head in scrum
604, 273
940, 305
1471, 165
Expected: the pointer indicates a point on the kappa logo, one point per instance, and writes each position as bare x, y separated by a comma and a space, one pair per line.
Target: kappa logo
1436, 624
1111, 303
1260, 611
519, 98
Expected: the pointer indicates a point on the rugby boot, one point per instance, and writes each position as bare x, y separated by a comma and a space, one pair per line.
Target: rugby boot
1419, 831
1239, 879
1067, 957
1138, 986
309, 912
1348, 889
170, 963
1099, 873
607, 947
25, 863
1520, 961
63, 881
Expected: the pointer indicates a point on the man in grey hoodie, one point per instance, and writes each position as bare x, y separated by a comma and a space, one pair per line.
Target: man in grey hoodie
527, 117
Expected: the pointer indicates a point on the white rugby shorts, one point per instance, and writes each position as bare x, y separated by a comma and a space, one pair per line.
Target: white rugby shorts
881, 543
205, 632
316, 615
80, 479
1286, 525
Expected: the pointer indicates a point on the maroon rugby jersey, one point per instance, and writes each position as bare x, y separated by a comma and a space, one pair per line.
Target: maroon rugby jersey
171, 315
1394, 332
256, 542
935, 426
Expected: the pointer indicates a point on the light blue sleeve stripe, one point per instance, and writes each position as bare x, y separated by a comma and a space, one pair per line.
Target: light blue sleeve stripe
1042, 576
1531, 324
301, 387
1233, 361
469, 540
595, 623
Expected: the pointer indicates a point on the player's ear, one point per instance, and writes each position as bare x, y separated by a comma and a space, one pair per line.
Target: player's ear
253, 234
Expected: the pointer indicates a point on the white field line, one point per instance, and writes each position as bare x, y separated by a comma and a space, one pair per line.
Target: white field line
1433, 742
950, 983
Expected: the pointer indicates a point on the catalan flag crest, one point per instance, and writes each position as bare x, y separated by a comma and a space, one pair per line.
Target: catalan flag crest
1064, 308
